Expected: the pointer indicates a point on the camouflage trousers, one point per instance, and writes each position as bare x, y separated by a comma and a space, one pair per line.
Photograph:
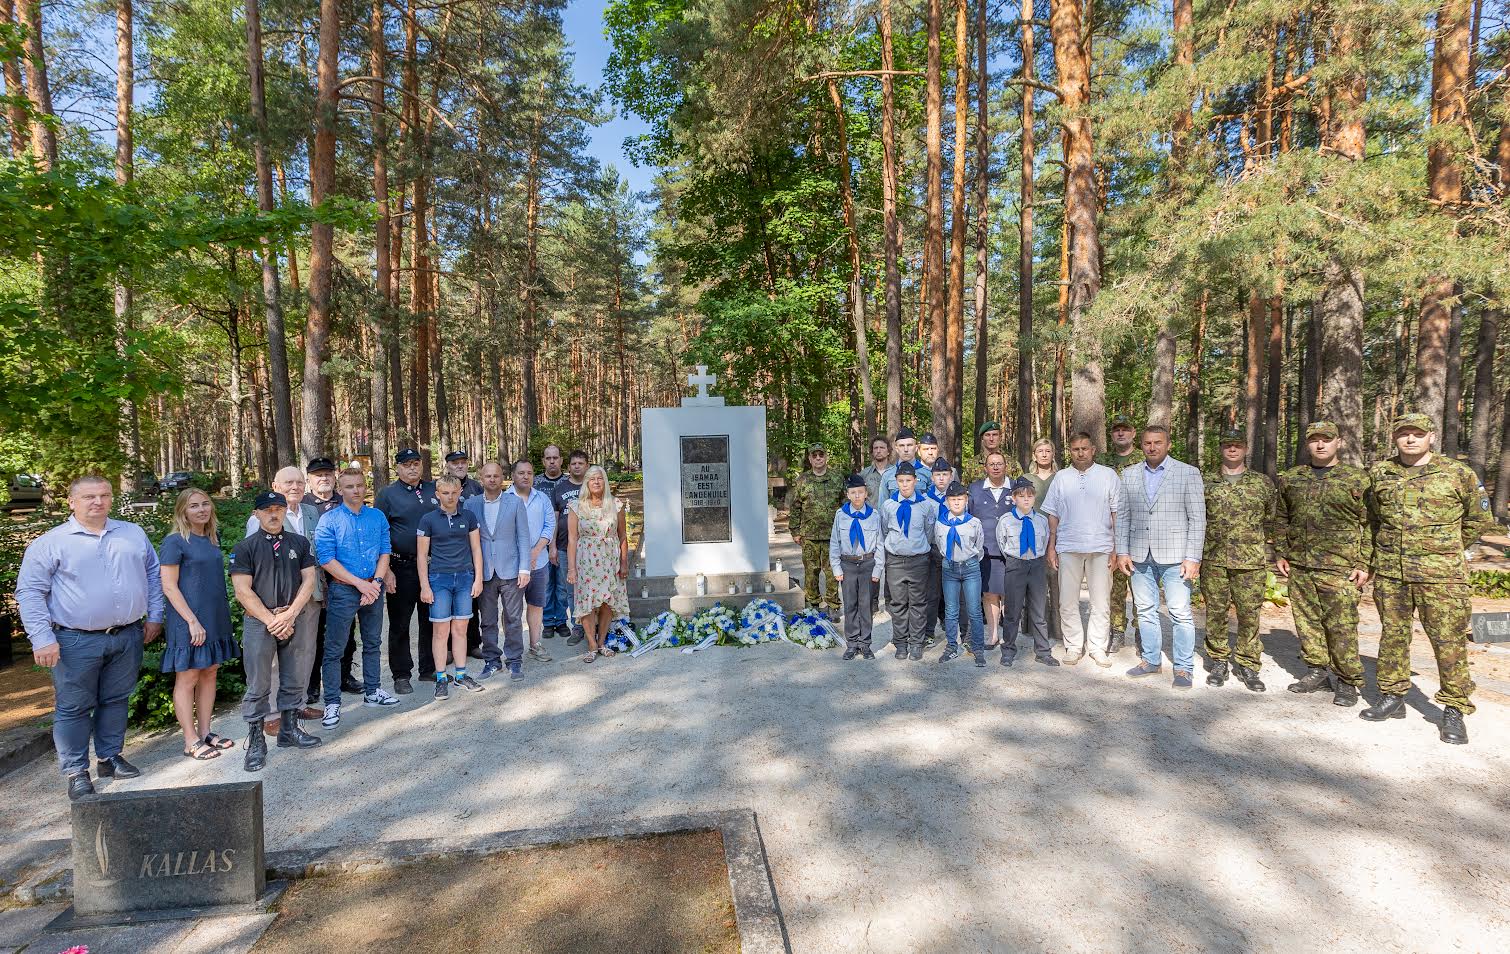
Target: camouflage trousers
1243, 590
814, 569
1444, 609
1119, 603
1325, 604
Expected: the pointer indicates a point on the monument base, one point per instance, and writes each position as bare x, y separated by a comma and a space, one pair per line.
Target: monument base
70, 920
679, 593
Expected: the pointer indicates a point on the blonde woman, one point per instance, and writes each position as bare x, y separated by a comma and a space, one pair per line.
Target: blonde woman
597, 554
198, 631
1041, 471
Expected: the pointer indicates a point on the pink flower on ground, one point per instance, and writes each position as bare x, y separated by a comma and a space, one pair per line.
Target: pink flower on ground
81, 949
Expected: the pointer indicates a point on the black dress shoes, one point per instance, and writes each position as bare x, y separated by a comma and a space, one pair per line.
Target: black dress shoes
1390, 707
117, 767
349, 684
79, 785
1453, 731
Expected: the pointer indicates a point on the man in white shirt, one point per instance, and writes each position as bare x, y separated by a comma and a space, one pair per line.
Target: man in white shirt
1082, 509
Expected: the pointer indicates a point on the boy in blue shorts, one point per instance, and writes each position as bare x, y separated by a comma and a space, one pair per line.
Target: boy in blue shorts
449, 555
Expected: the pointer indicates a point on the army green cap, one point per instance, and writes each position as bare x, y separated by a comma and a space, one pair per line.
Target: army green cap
1233, 436
817, 448
988, 426
1412, 419
1321, 429
1122, 420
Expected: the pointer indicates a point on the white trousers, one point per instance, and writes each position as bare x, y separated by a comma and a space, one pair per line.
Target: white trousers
1093, 569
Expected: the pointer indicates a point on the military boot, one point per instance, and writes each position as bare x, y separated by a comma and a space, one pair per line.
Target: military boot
292, 735
1249, 678
1390, 707
256, 747
1453, 731
1114, 643
1314, 680
1218, 675
1345, 695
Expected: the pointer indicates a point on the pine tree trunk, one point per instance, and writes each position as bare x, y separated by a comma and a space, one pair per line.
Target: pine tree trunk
315, 428
15, 89
1310, 382
125, 94
933, 236
948, 435
528, 292
1483, 391
1255, 330
1161, 401
982, 213
1452, 418
1275, 382
893, 241
1072, 58
379, 353
856, 290
44, 142
1193, 429
1026, 346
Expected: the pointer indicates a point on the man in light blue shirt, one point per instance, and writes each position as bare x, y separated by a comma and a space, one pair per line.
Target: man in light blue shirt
541, 511
83, 590
353, 547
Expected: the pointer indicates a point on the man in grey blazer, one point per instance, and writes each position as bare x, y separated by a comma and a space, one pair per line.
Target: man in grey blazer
505, 570
300, 518
1161, 532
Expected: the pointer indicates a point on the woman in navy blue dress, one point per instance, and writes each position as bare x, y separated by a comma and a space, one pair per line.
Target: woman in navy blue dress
198, 631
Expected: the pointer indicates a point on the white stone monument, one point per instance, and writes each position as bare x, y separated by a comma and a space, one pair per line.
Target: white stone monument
705, 507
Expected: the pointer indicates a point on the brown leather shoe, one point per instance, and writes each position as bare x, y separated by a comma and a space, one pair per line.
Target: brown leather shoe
271, 726
309, 712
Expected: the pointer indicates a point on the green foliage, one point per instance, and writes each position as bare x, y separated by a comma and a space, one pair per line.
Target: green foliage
1490, 583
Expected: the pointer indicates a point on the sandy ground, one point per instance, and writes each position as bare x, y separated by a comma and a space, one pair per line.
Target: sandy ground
919, 807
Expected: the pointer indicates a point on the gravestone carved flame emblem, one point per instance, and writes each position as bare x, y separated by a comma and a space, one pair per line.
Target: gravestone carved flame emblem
102, 857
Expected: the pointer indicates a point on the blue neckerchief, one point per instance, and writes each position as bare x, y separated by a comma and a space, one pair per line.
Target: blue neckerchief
856, 533
1026, 541
948, 520
904, 512
937, 496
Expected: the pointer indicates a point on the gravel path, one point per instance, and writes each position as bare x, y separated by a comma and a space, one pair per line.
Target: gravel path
918, 807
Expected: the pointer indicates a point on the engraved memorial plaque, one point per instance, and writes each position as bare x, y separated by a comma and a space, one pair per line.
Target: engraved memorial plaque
706, 513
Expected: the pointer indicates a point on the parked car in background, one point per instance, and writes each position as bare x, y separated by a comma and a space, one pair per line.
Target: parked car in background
26, 491
176, 481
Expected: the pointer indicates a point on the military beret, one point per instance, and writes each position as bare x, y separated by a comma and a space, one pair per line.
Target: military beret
1412, 419
957, 489
1321, 429
1122, 420
456, 455
406, 455
269, 498
988, 426
906, 434
905, 467
853, 481
817, 448
1233, 436
318, 464
941, 466
928, 438
1023, 483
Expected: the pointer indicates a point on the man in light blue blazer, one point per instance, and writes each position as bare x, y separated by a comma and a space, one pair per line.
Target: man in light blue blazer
1161, 532
505, 570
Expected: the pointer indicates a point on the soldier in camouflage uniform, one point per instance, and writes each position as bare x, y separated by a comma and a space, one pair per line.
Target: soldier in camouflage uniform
1425, 510
1123, 453
1240, 521
818, 492
991, 439
1324, 547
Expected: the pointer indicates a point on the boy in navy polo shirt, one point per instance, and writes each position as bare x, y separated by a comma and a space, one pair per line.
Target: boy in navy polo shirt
449, 552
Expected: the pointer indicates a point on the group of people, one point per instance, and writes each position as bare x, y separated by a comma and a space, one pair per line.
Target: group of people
1008, 551
315, 571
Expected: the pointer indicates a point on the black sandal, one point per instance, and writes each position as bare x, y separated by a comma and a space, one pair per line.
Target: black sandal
217, 741
202, 752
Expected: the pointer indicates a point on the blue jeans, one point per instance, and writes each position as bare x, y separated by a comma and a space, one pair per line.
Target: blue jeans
963, 577
558, 596
92, 684
1147, 578
342, 604
453, 597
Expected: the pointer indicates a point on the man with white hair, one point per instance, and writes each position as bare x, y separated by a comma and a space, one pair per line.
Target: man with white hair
300, 518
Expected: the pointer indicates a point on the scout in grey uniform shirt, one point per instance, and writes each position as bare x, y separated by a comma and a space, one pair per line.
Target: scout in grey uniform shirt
1022, 536
908, 523
856, 557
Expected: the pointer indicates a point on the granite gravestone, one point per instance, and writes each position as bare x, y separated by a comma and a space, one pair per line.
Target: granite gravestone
1491, 627
158, 850
706, 514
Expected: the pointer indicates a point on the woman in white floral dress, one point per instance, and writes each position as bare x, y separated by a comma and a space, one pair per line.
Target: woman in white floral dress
597, 560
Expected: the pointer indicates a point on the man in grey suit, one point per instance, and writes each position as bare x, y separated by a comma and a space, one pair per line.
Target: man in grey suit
1161, 532
505, 570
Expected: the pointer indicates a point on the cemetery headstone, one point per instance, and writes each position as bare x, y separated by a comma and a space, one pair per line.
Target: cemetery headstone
1491, 627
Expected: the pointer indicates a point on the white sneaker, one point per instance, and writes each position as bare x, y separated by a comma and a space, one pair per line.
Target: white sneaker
379, 697
1101, 659
332, 715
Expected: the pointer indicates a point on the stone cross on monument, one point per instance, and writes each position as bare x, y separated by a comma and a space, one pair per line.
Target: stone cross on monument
702, 380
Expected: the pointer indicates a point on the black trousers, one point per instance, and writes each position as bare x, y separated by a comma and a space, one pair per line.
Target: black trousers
402, 605
346, 656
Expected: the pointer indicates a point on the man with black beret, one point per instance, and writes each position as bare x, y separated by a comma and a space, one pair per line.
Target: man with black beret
404, 502
457, 463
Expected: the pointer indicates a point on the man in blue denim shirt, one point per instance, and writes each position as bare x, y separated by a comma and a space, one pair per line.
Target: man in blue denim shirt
83, 589
353, 548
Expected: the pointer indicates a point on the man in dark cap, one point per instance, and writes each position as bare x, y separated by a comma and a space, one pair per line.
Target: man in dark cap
906, 445
1122, 454
1240, 524
857, 559
1323, 545
939, 478
928, 452
816, 494
273, 574
457, 464
404, 502
908, 518
320, 474
992, 441
1425, 510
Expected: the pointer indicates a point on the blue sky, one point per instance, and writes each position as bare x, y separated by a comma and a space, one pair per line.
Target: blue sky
584, 28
